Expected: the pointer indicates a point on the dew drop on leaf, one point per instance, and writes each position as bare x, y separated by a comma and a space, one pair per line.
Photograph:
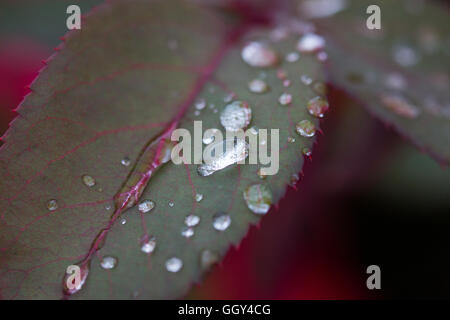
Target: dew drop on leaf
405, 56
395, 81
125, 161
258, 54
52, 205
294, 179
236, 116
285, 99
187, 232
306, 151
171, 204
306, 79
123, 221
221, 221
198, 197
88, 180
317, 107
310, 42
232, 151
192, 220
228, 98
306, 128
174, 264
200, 104
286, 83
258, 86
291, 139
292, 57
108, 262
146, 206
149, 245
258, 198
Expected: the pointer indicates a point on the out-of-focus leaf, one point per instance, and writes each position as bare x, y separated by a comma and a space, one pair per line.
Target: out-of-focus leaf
401, 72
135, 68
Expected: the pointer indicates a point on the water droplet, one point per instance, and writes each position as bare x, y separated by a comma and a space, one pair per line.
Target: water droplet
286, 83
291, 139
258, 54
52, 205
125, 161
198, 197
306, 79
258, 198
200, 104
310, 42
321, 8
221, 221
292, 57
294, 179
108, 262
108, 206
174, 264
123, 221
236, 115
187, 232
281, 74
322, 56
192, 220
400, 105
171, 204
233, 151
208, 258
395, 81
258, 86
146, 206
228, 98
405, 55
260, 174
306, 128
149, 245
317, 107
285, 99
88, 180
307, 151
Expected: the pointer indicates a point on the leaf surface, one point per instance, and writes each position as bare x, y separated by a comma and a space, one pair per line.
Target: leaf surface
134, 70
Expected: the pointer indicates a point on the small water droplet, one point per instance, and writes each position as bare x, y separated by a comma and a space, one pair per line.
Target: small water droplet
200, 104
123, 221
317, 107
258, 54
258, 198
233, 151
108, 262
88, 180
228, 98
400, 105
306, 128
292, 57
291, 139
146, 206
52, 205
208, 258
286, 83
279, 33
125, 161
285, 99
306, 79
198, 197
281, 74
149, 245
196, 113
171, 204
310, 42
395, 81
258, 86
294, 179
192, 220
322, 56
405, 55
306, 151
187, 232
174, 264
221, 221
108, 206
260, 174
236, 115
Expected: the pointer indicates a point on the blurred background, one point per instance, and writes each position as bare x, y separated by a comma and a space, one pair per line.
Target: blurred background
367, 197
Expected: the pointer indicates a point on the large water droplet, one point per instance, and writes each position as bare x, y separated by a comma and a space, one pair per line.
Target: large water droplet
306, 128
258, 198
174, 264
258, 86
187, 232
236, 116
285, 99
149, 245
221, 221
208, 258
233, 151
146, 206
108, 262
400, 105
88, 180
317, 107
258, 54
52, 205
310, 42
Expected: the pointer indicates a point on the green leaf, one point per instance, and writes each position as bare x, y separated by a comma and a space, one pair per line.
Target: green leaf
133, 72
399, 72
